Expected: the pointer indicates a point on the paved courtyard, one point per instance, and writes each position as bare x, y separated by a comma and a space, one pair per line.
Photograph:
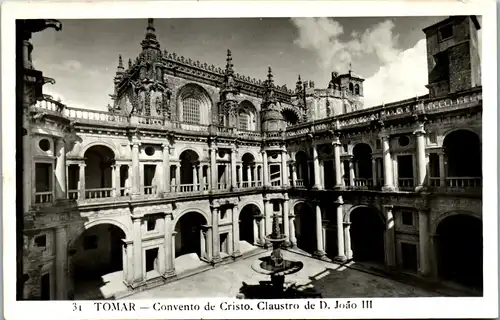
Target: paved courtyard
329, 279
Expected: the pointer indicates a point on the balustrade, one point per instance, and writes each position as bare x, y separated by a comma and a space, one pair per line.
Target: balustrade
362, 182
98, 193
434, 182
73, 194
44, 197
299, 183
406, 183
149, 190
463, 182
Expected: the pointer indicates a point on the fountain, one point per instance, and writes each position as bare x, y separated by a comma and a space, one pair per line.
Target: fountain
276, 267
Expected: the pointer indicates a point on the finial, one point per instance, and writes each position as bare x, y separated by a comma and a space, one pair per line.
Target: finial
300, 80
151, 25
270, 74
120, 61
229, 61
129, 63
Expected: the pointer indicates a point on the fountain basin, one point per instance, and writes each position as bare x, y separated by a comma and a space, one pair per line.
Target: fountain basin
266, 265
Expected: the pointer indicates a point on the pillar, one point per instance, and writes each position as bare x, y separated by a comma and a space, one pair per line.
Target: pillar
117, 170
294, 175
347, 240
421, 159
240, 175
388, 165
61, 263
284, 171
442, 174
423, 236
262, 229
199, 176
286, 221
137, 242
337, 163
351, 171
390, 252
60, 172
374, 171
265, 169
136, 176
28, 171
82, 180
320, 247
128, 262
268, 218
213, 168
233, 169
215, 234
209, 244
293, 238
166, 168
169, 253
340, 229
178, 176
317, 177
249, 176
236, 231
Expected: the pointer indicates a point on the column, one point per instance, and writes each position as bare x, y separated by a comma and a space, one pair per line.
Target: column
421, 161
28, 166
293, 238
342, 170
213, 168
351, 171
169, 253
286, 221
60, 172
347, 240
209, 244
137, 241
233, 169
374, 171
215, 234
262, 229
256, 227
320, 247
294, 175
388, 176
240, 175
254, 175
178, 176
166, 168
265, 170
268, 213
117, 170
442, 174
317, 181
340, 229
236, 230
195, 176
81, 185
200, 177
61, 263
423, 235
249, 176
136, 176
337, 163
284, 171
129, 262
390, 252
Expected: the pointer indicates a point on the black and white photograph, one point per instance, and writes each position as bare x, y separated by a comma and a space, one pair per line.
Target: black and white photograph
268, 161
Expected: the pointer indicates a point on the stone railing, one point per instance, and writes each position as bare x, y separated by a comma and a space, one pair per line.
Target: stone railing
51, 105
92, 115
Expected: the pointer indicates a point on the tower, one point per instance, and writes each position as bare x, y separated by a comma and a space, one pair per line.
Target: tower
453, 61
271, 117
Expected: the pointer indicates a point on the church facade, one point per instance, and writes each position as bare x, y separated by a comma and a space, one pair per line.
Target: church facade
187, 167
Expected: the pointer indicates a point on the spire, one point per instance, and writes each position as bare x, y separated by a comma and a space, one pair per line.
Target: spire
270, 81
350, 68
150, 40
119, 69
129, 63
298, 85
229, 63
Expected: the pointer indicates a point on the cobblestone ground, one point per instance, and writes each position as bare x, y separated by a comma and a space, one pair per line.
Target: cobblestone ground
327, 278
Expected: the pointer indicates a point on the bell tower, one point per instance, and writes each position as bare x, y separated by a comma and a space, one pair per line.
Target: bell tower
453, 61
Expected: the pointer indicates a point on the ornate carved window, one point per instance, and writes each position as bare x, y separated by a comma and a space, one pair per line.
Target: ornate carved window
191, 110
243, 121
194, 105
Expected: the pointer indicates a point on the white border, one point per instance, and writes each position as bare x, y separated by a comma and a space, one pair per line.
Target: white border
485, 307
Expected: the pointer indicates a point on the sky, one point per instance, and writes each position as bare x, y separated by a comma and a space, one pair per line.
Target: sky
389, 52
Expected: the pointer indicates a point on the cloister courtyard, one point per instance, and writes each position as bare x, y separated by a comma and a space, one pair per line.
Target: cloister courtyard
329, 279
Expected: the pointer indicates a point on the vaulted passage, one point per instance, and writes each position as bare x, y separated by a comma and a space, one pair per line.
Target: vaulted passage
96, 258
305, 227
248, 226
367, 235
460, 250
189, 237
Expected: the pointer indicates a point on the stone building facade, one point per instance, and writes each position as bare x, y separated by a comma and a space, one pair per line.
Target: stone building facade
189, 164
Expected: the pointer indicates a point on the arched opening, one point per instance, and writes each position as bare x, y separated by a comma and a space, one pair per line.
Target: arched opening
99, 160
248, 225
463, 159
460, 250
189, 237
305, 231
351, 87
190, 171
291, 117
248, 174
247, 116
362, 156
96, 262
367, 235
302, 169
194, 105
356, 89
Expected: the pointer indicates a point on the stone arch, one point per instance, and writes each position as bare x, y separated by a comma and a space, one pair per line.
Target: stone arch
447, 132
291, 115
304, 223
347, 214
447, 214
254, 202
462, 149
199, 99
248, 224
92, 223
187, 210
189, 148
97, 143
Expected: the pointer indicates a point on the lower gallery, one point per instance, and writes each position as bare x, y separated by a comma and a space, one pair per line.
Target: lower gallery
177, 179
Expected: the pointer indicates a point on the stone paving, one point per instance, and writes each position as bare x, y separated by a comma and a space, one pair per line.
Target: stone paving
329, 279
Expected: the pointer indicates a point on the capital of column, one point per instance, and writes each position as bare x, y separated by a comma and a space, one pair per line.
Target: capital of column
336, 141
419, 131
388, 207
135, 144
339, 201
285, 197
384, 135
